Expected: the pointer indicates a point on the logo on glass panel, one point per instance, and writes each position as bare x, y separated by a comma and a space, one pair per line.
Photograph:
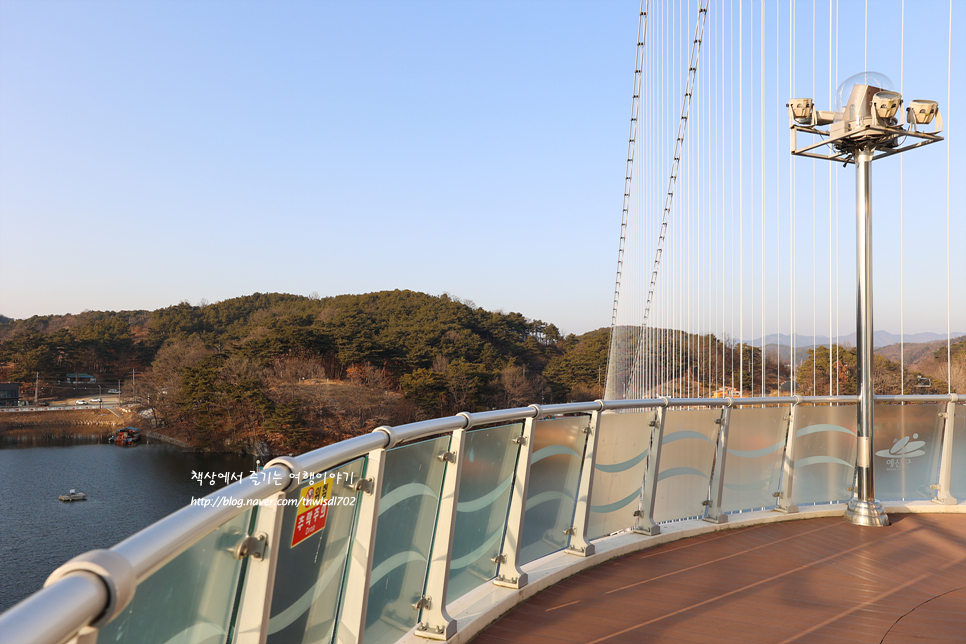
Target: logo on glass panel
902, 450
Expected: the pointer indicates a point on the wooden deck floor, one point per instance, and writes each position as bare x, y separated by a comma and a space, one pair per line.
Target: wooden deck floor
817, 580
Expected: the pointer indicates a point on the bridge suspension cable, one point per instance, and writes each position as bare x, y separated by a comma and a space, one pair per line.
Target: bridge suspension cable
728, 248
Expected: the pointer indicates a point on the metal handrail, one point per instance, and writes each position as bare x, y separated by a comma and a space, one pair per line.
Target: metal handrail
81, 600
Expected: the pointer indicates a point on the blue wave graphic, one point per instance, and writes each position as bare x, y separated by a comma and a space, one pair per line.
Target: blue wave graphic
477, 554
552, 450
815, 460
617, 505
486, 500
398, 560
685, 435
681, 471
621, 467
756, 453
815, 429
404, 492
546, 497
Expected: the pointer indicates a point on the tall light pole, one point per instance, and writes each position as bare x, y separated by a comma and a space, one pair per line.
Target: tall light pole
862, 128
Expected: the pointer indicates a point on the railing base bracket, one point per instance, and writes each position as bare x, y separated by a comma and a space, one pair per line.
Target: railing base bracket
511, 582
581, 552
648, 531
436, 632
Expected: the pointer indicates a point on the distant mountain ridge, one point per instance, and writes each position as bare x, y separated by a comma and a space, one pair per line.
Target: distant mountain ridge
879, 339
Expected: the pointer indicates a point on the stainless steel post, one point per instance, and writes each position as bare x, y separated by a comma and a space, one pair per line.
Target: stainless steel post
864, 509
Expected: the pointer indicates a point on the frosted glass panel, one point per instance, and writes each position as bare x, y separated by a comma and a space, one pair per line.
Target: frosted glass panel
309, 574
824, 454
623, 445
486, 481
908, 445
687, 455
957, 481
558, 450
756, 445
191, 598
407, 517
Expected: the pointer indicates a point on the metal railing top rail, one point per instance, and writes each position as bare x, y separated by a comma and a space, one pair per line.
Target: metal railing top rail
922, 398
81, 604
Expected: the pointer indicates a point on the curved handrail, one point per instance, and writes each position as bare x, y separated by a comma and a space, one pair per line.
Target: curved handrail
82, 601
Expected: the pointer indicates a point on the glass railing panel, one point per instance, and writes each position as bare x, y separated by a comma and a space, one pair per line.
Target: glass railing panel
907, 447
408, 506
189, 599
623, 443
824, 454
957, 479
687, 456
756, 445
486, 481
312, 553
558, 451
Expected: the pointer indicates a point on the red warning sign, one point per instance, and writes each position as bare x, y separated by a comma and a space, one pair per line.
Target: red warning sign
312, 509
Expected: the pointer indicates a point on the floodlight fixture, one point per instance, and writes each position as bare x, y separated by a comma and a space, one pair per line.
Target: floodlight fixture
801, 110
886, 104
922, 112
866, 114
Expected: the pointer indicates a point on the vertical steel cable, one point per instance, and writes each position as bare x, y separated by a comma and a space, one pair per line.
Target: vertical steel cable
778, 205
761, 110
741, 199
791, 205
731, 200
721, 232
902, 326
865, 45
829, 167
838, 301
814, 237
949, 95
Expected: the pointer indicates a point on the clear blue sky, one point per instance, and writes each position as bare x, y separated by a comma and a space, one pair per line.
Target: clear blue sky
154, 152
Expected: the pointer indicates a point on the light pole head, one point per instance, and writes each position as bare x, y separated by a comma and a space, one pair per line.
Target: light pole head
865, 119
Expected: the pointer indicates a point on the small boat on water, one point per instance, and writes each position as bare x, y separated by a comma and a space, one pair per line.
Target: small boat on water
73, 495
125, 437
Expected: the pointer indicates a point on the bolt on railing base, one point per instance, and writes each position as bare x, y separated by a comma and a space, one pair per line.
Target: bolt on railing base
949, 500
787, 509
866, 513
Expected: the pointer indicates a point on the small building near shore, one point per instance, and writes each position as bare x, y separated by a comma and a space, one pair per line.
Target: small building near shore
81, 378
9, 394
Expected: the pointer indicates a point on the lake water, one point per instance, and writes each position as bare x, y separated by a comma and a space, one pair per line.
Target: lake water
128, 488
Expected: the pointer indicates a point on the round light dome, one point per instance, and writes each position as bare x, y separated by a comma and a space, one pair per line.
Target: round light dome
872, 79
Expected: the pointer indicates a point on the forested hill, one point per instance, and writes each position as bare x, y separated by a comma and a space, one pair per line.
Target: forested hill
294, 372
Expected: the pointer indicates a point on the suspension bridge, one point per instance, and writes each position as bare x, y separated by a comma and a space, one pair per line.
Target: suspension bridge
736, 256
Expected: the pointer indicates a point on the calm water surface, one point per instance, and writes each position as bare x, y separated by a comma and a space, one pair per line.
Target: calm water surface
128, 488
